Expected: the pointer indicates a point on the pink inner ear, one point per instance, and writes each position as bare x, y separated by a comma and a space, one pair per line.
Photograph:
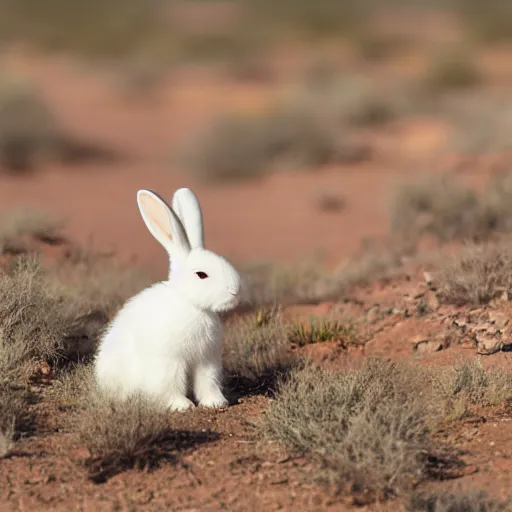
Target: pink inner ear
154, 210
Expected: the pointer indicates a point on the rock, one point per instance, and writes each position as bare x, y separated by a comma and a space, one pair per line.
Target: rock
428, 278
460, 323
467, 343
432, 302
430, 346
418, 294
373, 314
484, 327
487, 345
423, 344
419, 338
475, 314
499, 319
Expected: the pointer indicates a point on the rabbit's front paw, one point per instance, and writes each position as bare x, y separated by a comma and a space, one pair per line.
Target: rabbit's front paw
179, 403
214, 400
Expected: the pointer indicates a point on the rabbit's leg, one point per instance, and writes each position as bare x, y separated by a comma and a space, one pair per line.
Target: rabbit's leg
207, 379
177, 387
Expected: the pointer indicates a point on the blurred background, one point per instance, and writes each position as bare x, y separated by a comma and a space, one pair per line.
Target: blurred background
295, 121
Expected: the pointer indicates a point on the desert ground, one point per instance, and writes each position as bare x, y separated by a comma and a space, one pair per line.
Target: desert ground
352, 162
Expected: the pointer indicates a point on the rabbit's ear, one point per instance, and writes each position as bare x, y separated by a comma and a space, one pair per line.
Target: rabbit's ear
186, 205
162, 222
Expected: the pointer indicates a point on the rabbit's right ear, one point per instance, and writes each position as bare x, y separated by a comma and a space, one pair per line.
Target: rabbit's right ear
186, 205
162, 222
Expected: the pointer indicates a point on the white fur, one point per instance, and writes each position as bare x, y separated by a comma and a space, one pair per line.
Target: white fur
166, 340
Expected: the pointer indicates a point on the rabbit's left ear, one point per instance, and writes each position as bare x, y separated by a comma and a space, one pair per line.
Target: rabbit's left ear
186, 205
162, 222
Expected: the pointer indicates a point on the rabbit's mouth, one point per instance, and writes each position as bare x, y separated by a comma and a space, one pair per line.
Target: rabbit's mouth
230, 303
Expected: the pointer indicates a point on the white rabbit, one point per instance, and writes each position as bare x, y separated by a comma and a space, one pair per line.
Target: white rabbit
170, 334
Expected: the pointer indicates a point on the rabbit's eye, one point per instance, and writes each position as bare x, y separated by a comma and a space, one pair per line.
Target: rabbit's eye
201, 275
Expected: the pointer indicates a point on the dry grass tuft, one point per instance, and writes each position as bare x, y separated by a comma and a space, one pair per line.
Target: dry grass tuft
370, 426
477, 275
132, 433
257, 354
319, 330
48, 317
73, 386
469, 501
99, 284
34, 319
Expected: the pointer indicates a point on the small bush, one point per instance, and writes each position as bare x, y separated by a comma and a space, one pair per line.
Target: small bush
470, 501
28, 129
238, 147
30, 134
452, 71
439, 206
370, 426
497, 199
353, 100
257, 354
477, 275
362, 104
479, 386
479, 127
132, 433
